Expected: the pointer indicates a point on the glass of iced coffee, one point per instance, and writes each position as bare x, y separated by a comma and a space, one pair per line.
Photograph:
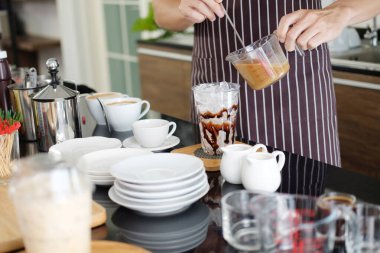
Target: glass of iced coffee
53, 205
261, 63
217, 107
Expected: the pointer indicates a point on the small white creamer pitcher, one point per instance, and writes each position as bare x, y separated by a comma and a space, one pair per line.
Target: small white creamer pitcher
262, 172
232, 160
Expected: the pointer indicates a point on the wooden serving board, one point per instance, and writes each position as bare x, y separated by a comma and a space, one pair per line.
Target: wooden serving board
113, 247
10, 235
210, 164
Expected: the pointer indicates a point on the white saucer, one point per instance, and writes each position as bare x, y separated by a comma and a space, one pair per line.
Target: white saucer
172, 141
158, 168
157, 210
71, 150
132, 201
120, 187
157, 188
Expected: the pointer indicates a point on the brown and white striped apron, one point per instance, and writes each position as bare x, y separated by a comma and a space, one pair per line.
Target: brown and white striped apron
298, 114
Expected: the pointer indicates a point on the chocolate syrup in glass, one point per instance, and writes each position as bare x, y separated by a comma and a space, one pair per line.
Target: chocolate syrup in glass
211, 130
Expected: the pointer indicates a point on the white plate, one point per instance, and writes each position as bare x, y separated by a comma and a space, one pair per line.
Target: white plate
100, 162
72, 150
160, 194
157, 168
156, 210
153, 188
101, 177
162, 201
170, 142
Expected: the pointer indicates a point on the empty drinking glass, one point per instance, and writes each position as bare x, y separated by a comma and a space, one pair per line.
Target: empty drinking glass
298, 224
368, 218
240, 225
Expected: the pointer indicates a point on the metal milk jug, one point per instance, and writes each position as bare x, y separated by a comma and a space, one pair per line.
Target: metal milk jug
21, 100
56, 111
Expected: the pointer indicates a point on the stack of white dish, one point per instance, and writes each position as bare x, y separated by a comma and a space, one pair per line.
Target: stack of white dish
71, 150
159, 184
176, 233
98, 164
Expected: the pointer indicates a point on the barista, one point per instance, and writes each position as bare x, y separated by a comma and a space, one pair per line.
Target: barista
296, 115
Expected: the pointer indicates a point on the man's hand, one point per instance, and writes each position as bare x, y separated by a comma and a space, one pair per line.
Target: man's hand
198, 11
310, 28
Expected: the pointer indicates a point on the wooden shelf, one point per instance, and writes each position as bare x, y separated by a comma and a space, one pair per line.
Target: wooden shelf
31, 43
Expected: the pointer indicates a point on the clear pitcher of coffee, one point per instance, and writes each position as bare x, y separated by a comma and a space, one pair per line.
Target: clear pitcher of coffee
261, 63
217, 107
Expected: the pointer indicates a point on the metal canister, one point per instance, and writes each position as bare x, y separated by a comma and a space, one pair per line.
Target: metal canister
56, 111
20, 94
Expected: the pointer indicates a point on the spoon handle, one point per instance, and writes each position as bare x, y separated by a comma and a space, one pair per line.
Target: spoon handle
233, 26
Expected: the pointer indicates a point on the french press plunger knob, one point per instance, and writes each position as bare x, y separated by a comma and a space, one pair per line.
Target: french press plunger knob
52, 66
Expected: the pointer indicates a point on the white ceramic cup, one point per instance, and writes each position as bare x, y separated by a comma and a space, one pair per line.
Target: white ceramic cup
151, 133
94, 105
232, 160
262, 172
123, 112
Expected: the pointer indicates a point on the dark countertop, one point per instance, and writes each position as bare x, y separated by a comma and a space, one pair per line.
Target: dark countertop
125, 225
201, 221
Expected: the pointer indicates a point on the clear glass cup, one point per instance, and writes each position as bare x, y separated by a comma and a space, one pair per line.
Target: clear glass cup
299, 224
368, 218
240, 226
340, 199
53, 205
217, 106
261, 63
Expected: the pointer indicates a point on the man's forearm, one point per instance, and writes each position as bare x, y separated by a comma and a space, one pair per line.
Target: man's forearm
358, 10
167, 15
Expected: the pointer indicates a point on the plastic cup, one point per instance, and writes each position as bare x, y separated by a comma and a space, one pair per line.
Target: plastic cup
261, 63
217, 106
53, 205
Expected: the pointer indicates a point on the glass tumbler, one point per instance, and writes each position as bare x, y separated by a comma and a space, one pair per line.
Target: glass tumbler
53, 205
217, 106
240, 226
261, 63
344, 200
368, 218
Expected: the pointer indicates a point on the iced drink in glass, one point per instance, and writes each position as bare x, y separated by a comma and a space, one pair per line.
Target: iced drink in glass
53, 205
217, 107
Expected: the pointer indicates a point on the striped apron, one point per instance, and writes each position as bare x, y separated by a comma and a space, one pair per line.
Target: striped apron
297, 114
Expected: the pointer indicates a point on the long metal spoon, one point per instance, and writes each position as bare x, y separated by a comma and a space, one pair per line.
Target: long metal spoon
233, 26
298, 49
105, 115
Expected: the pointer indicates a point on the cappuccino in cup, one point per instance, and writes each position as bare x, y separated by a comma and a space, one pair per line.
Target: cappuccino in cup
123, 112
95, 107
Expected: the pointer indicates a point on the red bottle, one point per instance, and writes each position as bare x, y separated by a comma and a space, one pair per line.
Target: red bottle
5, 80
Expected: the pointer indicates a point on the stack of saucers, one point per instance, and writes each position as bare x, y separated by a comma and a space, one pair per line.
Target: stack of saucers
159, 184
176, 233
98, 164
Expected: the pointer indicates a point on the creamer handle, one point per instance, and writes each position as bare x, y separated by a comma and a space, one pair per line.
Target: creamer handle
257, 146
281, 159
